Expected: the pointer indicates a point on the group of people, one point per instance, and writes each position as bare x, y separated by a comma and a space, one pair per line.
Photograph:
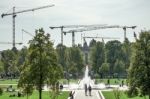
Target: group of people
87, 88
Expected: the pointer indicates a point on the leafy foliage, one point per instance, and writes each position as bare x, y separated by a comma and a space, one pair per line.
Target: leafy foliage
9, 59
117, 93
113, 52
97, 56
139, 71
40, 66
1, 91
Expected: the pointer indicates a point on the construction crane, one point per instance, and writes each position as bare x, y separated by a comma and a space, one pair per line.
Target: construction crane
88, 29
14, 13
24, 31
72, 26
96, 28
125, 28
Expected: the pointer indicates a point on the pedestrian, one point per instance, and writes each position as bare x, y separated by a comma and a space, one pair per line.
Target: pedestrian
90, 89
122, 83
85, 87
71, 95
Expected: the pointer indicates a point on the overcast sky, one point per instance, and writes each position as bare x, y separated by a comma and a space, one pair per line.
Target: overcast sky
73, 12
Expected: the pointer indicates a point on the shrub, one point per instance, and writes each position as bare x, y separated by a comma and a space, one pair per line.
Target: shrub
132, 92
117, 93
1, 91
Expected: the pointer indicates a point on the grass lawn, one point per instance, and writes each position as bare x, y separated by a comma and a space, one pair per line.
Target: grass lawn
112, 81
8, 81
110, 95
45, 95
15, 81
6, 86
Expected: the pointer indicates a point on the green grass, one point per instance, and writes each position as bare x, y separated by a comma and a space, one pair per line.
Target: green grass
110, 95
8, 81
45, 95
15, 81
112, 81
6, 86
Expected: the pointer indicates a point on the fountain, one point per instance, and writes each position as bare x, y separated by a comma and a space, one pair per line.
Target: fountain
86, 80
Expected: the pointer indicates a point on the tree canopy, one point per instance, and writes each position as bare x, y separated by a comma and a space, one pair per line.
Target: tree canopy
139, 71
41, 64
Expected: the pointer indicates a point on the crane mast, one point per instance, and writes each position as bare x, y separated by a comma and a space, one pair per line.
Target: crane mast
14, 13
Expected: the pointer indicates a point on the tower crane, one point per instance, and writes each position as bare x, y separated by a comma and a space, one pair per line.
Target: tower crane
97, 28
14, 13
72, 26
125, 28
88, 29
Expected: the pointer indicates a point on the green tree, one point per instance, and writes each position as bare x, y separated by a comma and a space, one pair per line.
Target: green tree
60, 49
41, 64
104, 69
22, 54
92, 43
9, 59
25, 81
1, 66
113, 52
119, 67
97, 56
127, 52
139, 71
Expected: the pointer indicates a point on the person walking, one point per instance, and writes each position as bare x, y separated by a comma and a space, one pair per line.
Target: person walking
71, 95
85, 87
90, 89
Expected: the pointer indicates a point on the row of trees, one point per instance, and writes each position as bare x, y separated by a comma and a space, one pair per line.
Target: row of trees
71, 59
41, 64
110, 58
132, 58
106, 59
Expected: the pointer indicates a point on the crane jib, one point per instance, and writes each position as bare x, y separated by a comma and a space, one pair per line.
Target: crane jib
6, 14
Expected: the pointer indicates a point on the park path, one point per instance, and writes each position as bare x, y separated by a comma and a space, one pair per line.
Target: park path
79, 94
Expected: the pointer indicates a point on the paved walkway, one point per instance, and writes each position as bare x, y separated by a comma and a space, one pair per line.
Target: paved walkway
79, 94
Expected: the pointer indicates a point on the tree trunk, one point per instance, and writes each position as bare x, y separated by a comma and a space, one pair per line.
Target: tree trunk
40, 86
149, 93
40, 93
40, 80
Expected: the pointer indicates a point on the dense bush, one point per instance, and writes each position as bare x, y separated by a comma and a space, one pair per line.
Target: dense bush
117, 93
1, 91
